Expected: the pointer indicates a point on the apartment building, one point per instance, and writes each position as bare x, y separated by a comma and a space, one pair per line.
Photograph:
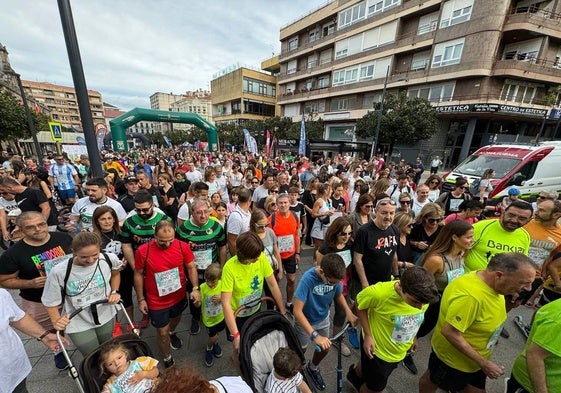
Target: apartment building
163, 102
242, 93
198, 102
63, 104
492, 69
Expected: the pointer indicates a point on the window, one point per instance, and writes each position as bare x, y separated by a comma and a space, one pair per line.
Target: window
352, 15
328, 29
455, 11
375, 6
523, 51
339, 104
420, 60
255, 87
370, 99
291, 68
372, 38
518, 91
314, 35
427, 23
323, 82
448, 53
325, 56
314, 107
433, 93
367, 71
293, 44
312, 61
371, 70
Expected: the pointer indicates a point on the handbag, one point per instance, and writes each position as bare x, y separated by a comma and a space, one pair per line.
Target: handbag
272, 260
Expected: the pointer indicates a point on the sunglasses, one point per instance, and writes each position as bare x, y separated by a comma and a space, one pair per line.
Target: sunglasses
404, 202
545, 197
254, 182
385, 203
434, 220
463, 187
434, 182
275, 191
345, 233
260, 226
145, 210
368, 206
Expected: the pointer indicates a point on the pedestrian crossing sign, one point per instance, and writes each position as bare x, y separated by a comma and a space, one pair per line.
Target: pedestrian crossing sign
56, 131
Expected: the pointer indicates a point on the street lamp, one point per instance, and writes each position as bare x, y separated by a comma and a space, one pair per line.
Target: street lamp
30, 122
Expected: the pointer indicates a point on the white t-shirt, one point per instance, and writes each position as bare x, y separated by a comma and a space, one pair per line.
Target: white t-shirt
14, 363
238, 221
194, 176
231, 384
85, 285
84, 209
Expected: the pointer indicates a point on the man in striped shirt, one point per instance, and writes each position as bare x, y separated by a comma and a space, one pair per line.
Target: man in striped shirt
207, 240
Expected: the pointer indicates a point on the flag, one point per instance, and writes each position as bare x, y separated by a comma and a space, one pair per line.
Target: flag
168, 142
252, 145
302, 147
268, 144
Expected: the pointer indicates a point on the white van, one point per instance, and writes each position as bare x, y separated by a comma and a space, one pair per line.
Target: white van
531, 168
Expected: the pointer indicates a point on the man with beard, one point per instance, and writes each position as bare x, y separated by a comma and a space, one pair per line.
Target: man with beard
505, 234
26, 264
375, 246
161, 270
138, 229
544, 230
83, 209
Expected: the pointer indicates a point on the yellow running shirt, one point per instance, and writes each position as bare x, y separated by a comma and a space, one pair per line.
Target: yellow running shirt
211, 311
245, 282
478, 312
393, 322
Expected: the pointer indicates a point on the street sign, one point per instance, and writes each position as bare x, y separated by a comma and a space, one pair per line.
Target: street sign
56, 131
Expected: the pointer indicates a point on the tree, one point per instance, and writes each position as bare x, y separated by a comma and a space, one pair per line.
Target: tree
404, 120
13, 123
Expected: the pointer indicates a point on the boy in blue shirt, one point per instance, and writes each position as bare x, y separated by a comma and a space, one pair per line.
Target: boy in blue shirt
317, 289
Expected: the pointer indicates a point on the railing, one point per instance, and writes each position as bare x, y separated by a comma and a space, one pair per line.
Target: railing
535, 10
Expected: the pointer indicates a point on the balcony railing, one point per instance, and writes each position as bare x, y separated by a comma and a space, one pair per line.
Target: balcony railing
535, 10
534, 65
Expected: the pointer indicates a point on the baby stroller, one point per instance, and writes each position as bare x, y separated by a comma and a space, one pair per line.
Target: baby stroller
92, 378
261, 336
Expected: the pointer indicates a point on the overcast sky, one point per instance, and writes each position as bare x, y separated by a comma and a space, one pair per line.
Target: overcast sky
133, 48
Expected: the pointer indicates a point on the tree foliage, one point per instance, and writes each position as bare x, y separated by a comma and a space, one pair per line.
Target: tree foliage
13, 119
403, 120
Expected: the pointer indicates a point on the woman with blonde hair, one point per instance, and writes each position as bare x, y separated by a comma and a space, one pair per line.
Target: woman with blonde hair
433, 183
271, 204
426, 228
380, 187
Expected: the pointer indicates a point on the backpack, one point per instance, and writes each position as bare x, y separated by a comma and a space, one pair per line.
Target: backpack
474, 187
395, 188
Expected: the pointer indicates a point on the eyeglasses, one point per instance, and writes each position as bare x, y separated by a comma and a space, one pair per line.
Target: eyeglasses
38, 226
368, 206
434, 220
254, 182
404, 202
385, 203
275, 191
545, 197
145, 210
272, 204
346, 233
260, 226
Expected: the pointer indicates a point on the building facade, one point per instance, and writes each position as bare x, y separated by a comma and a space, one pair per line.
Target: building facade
63, 104
163, 102
241, 94
198, 102
492, 69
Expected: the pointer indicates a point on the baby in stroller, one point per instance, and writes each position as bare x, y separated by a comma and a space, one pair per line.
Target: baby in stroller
286, 376
126, 375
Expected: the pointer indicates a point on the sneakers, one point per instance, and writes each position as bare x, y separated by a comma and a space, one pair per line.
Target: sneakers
409, 364
345, 351
353, 337
169, 362
209, 359
174, 341
353, 378
60, 361
117, 330
505, 333
144, 321
316, 377
195, 327
216, 350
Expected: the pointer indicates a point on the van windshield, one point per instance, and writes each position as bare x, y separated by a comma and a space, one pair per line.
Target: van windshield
476, 165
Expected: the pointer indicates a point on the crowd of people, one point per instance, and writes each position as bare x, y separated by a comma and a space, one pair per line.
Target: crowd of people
172, 229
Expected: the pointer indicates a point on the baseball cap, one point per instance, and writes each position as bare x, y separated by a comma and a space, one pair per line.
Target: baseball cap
513, 191
130, 179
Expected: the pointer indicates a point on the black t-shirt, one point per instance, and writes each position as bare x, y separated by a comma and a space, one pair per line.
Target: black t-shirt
29, 201
418, 234
338, 202
127, 202
404, 251
299, 210
32, 261
377, 247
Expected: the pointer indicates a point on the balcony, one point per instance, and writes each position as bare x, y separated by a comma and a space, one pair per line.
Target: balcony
532, 68
534, 19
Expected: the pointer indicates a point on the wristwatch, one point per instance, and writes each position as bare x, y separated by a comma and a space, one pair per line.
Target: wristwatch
314, 335
196, 288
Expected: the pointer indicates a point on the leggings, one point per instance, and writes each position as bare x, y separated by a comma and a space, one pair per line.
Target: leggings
89, 340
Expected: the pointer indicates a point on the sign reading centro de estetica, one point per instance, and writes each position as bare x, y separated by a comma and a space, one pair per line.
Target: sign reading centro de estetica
491, 108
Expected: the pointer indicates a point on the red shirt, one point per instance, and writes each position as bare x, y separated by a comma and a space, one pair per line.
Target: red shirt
156, 261
286, 226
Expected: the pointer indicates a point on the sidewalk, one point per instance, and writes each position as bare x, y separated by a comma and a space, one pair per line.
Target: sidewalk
45, 378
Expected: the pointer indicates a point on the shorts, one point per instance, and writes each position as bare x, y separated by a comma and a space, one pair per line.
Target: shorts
67, 194
450, 379
214, 330
375, 371
321, 327
161, 318
289, 264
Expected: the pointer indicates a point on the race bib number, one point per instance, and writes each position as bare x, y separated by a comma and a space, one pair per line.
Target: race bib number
212, 309
50, 263
168, 282
286, 243
203, 258
252, 303
122, 384
346, 255
455, 273
86, 291
405, 327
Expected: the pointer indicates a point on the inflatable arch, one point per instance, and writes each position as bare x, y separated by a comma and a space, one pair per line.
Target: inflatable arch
120, 124
145, 141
